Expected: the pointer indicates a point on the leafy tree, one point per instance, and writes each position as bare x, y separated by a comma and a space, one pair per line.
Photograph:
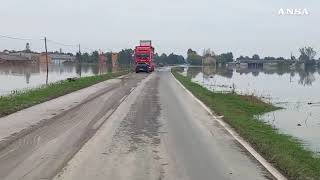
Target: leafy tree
88, 58
193, 58
240, 58
269, 58
175, 59
85, 57
225, 57
190, 51
126, 56
160, 59
255, 57
94, 57
171, 59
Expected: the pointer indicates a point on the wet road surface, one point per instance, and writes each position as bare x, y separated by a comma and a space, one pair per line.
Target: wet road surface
43, 152
161, 132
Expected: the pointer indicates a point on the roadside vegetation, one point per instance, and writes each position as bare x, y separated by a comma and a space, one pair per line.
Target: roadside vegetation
170, 59
194, 58
24, 99
284, 152
126, 58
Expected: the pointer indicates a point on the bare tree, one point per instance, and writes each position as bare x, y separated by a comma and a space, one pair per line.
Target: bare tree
208, 52
307, 54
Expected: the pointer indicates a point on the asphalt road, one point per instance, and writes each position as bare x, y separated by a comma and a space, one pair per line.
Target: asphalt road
144, 127
43, 152
161, 132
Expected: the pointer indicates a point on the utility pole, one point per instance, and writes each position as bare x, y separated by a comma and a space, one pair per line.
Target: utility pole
47, 62
130, 66
202, 67
80, 60
79, 49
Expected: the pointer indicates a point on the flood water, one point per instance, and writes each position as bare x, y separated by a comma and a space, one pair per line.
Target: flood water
296, 90
20, 77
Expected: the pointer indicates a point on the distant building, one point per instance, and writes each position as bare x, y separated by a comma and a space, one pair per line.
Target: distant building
54, 58
7, 58
5, 52
30, 55
115, 60
103, 58
43, 59
57, 58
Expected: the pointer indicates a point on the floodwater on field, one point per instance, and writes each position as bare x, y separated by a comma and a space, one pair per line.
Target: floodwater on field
296, 90
19, 77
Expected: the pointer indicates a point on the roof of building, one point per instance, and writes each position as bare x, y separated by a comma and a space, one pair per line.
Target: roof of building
7, 57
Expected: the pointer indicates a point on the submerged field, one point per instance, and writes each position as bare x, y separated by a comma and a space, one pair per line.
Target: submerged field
24, 99
241, 111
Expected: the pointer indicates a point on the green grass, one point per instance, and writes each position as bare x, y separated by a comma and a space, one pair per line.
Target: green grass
24, 99
285, 152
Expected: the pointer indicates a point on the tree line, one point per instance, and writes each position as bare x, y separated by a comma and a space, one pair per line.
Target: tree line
194, 58
126, 57
307, 55
170, 59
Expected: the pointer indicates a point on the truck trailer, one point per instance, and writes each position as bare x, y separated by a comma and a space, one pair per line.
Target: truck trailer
143, 57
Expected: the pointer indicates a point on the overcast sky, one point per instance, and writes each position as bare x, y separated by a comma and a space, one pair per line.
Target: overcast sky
244, 27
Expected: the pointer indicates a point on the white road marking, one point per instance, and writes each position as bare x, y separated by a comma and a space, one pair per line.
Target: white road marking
237, 137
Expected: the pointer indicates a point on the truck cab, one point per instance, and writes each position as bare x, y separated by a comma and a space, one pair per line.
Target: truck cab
143, 56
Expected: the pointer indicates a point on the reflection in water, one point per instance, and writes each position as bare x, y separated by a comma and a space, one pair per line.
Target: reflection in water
294, 89
307, 76
17, 77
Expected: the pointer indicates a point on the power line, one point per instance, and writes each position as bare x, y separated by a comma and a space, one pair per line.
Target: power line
15, 38
62, 44
48, 40
88, 49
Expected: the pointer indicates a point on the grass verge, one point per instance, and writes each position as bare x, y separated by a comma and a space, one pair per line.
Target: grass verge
284, 152
24, 99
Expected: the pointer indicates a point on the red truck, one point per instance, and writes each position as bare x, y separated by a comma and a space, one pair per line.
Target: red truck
143, 57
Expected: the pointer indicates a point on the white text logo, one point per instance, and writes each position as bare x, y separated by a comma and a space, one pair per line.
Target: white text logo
297, 12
